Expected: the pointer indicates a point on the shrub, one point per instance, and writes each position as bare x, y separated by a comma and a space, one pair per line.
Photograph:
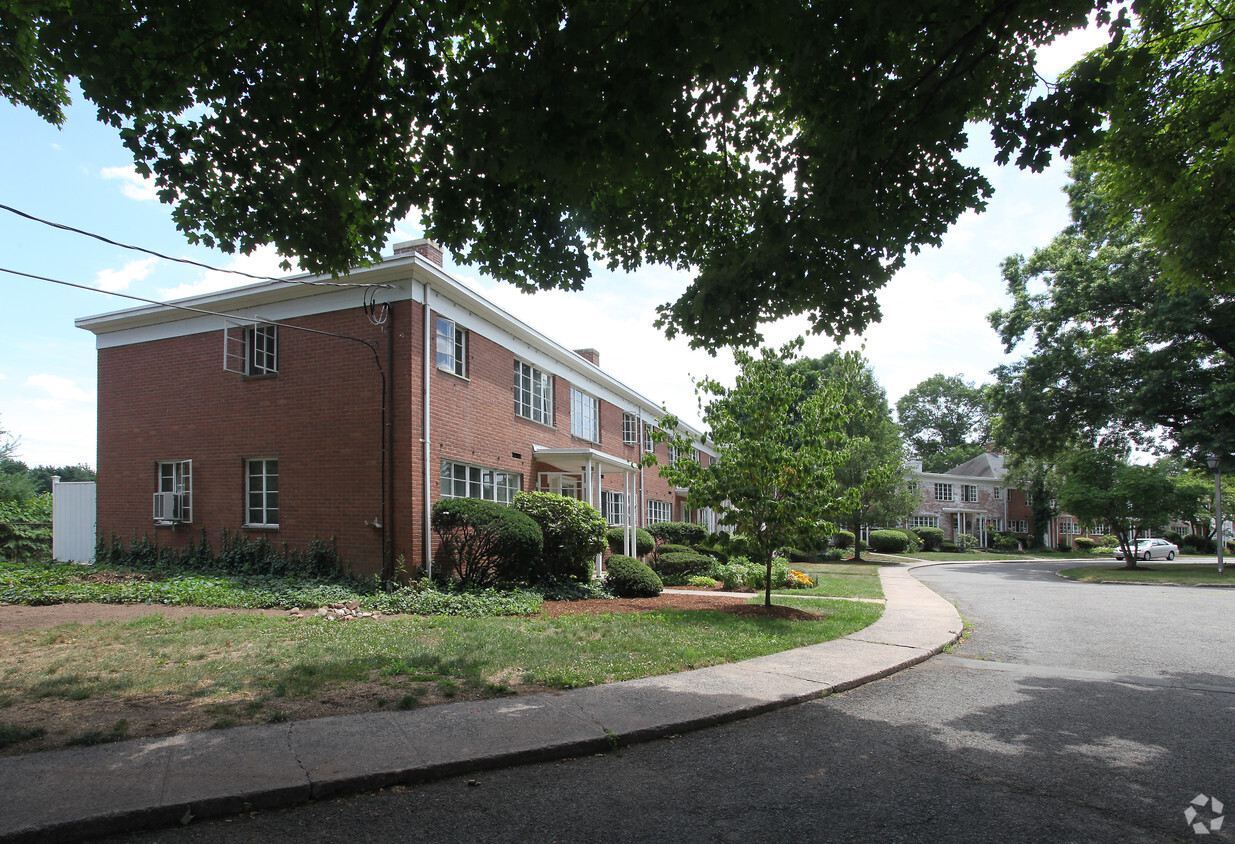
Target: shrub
966, 542
932, 537
673, 549
574, 533
629, 578
701, 581
1085, 543
1005, 542
238, 555
676, 566
483, 542
914, 543
796, 555
888, 541
843, 539
948, 546
833, 555
678, 533
716, 554
1173, 536
21, 540
616, 537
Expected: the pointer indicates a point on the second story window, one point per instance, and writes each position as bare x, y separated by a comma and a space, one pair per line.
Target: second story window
630, 429
969, 492
451, 347
584, 415
251, 349
533, 393
943, 492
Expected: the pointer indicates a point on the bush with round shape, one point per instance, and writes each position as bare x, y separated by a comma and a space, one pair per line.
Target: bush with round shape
678, 533
672, 549
616, 537
843, 539
676, 566
932, 538
574, 533
1084, 543
483, 542
888, 541
629, 578
796, 555
914, 542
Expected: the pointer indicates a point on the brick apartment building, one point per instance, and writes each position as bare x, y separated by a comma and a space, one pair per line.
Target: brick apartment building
971, 498
316, 408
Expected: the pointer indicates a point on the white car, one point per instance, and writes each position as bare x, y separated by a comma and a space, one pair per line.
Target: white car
1151, 549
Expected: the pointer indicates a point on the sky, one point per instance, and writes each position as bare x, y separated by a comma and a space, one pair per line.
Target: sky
934, 310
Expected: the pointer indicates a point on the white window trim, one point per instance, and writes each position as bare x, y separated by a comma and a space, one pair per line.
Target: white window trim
264, 509
659, 511
535, 377
630, 429
613, 507
454, 358
478, 479
584, 415
944, 492
178, 483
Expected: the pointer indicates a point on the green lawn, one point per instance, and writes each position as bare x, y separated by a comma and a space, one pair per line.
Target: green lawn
847, 580
1188, 574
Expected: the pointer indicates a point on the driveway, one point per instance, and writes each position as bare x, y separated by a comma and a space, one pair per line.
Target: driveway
1076, 712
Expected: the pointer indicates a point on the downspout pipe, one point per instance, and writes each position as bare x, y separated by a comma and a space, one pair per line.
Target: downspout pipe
426, 415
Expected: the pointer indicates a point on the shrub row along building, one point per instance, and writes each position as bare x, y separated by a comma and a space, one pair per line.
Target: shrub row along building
314, 408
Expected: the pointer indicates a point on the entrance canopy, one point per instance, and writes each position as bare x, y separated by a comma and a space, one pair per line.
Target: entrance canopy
586, 466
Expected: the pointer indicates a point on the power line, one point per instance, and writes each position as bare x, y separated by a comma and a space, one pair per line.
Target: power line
190, 262
190, 308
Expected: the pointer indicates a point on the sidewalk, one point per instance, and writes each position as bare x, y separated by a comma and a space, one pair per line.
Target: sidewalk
91, 792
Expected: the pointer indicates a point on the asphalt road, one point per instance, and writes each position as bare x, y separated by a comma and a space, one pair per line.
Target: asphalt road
1075, 712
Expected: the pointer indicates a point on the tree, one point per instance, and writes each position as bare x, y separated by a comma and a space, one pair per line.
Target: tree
779, 449
791, 153
1101, 486
876, 467
1152, 108
1118, 353
946, 421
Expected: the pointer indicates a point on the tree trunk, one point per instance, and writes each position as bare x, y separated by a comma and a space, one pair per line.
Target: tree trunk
767, 583
857, 541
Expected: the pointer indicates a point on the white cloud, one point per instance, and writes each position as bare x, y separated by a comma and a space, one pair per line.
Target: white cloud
58, 389
116, 280
264, 261
131, 184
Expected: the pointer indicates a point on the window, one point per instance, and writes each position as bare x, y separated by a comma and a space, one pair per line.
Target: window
659, 511
533, 393
997, 493
1067, 526
1018, 525
451, 347
969, 492
461, 480
251, 349
1029, 499
613, 507
173, 499
262, 493
924, 521
674, 454
995, 525
943, 492
630, 429
1098, 529
584, 415
648, 445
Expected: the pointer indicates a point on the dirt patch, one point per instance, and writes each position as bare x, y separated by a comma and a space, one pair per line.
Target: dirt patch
63, 722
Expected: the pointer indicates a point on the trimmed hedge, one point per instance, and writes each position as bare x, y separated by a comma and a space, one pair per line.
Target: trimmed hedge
888, 541
1085, 543
932, 538
843, 539
574, 533
914, 541
678, 533
483, 542
629, 578
679, 565
616, 537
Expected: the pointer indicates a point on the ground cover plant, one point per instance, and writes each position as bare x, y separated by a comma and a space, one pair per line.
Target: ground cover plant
1188, 574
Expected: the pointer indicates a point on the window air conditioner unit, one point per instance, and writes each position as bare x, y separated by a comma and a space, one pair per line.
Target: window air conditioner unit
166, 507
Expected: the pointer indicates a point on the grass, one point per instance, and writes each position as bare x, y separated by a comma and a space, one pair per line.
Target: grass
842, 580
1188, 574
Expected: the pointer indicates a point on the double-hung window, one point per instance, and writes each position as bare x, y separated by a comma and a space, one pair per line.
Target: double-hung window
943, 492
924, 521
584, 415
451, 347
262, 493
173, 501
463, 480
969, 493
533, 393
997, 493
659, 511
613, 507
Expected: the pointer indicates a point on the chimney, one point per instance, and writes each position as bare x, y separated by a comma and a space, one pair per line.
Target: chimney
422, 246
590, 355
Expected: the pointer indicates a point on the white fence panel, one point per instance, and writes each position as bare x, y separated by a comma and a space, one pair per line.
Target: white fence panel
73, 521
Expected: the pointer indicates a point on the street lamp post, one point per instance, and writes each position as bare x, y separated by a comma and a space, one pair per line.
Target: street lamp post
1054, 525
1215, 466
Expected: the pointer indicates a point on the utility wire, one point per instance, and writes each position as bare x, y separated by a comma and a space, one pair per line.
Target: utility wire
191, 309
190, 262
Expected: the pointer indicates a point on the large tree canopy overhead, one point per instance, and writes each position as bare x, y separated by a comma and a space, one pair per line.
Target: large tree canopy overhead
791, 153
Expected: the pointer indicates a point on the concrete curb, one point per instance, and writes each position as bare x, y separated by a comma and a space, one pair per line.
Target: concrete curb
69, 795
